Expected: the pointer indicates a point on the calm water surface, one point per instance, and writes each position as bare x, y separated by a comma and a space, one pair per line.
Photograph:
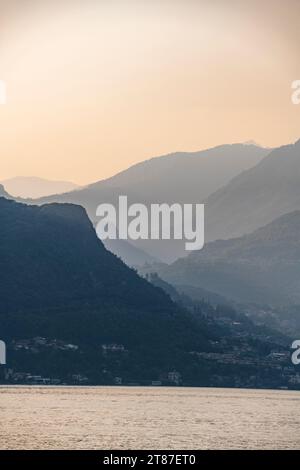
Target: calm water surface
148, 418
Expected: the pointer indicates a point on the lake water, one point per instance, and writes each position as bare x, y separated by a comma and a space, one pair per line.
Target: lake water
148, 418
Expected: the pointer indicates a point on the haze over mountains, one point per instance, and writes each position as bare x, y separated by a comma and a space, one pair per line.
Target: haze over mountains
186, 176
262, 267
262, 192
69, 308
59, 282
180, 177
33, 187
256, 196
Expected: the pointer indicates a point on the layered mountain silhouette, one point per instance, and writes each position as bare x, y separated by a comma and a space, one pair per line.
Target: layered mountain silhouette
33, 187
58, 281
256, 196
179, 177
185, 176
262, 267
76, 310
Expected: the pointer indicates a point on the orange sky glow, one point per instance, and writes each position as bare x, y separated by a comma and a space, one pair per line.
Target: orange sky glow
96, 86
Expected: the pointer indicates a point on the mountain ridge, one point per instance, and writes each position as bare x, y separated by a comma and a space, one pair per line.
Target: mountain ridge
257, 196
262, 267
36, 187
180, 177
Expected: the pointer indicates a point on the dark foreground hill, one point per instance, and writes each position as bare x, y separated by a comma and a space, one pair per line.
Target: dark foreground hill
60, 286
71, 312
50, 256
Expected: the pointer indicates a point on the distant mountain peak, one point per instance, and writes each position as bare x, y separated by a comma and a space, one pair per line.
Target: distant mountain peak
252, 142
35, 187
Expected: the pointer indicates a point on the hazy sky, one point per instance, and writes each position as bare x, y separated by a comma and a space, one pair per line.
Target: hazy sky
97, 85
